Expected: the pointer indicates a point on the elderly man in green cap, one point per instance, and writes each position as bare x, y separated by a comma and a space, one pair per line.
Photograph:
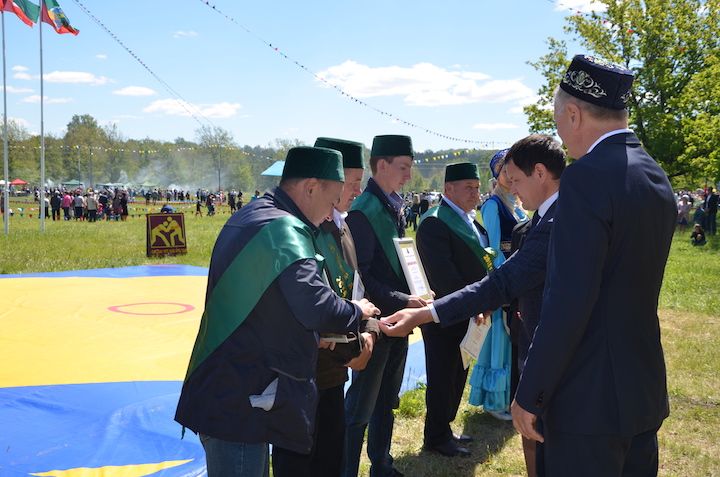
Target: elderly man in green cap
251, 377
376, 217
334, 242
451, 245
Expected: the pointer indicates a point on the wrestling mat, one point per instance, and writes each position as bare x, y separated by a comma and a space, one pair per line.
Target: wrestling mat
92, 365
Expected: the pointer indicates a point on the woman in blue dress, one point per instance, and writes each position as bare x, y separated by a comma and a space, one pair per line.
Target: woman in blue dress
490, 380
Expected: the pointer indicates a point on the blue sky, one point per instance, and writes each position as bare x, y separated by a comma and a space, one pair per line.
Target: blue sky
456, 67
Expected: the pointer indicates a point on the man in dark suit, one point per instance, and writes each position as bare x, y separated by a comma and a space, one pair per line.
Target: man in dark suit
450, 243
595, 371
534, 166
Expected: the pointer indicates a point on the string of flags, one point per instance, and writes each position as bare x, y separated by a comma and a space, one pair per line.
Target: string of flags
187, 106
90, 149
276, 49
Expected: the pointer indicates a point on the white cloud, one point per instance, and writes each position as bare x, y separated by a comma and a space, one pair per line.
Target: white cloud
134, 91
185, 34
101, 56
14, 90
424, 84
19, 68
78, 77
21, 75
173, 107
584, 6
20, 121
495, 126
35, 98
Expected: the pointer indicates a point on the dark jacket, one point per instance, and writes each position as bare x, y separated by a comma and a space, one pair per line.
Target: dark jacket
596, 363
383, 286
449, 262
276, 340
522, 276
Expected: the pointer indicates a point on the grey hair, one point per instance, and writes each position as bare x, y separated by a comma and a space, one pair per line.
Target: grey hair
593, 110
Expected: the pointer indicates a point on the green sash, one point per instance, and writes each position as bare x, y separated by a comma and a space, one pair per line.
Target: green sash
341, 275
277, 245
460, 228
383, 226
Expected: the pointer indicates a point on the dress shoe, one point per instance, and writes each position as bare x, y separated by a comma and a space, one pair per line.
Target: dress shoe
449, 449
462, 438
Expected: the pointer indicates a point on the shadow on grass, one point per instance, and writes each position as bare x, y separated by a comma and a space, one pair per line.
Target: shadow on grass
490, 435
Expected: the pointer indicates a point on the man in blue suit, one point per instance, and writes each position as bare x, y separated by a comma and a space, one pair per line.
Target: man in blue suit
533, 166
595, 372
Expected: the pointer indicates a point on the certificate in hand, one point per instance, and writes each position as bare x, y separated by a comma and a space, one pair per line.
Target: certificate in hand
412, 267
472, 343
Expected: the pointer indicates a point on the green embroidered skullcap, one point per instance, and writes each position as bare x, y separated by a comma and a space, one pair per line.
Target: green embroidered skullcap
319, 162
461, 171
392, 145
352, 152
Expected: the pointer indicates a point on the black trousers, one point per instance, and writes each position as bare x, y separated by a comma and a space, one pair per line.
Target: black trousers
445, 379
326, 456
565, 454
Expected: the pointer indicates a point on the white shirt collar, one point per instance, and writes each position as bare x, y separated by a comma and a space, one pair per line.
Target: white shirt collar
338, 217
466, 216
542, 210
607, 135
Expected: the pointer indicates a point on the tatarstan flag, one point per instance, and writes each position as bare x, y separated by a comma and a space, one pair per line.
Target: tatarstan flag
53, 15
26, 11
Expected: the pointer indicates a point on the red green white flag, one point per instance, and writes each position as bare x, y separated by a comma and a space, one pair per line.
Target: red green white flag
26, 11
53, 15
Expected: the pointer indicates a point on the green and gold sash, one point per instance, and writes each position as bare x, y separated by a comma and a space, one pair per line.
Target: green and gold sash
341, 274
460, 228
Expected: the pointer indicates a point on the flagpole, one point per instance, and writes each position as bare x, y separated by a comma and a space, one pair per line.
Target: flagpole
6, 193
42, 134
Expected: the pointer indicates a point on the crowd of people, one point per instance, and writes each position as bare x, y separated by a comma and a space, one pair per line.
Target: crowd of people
704, 216
569, 298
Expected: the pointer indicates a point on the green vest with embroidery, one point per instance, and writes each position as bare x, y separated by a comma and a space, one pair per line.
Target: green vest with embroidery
340, 274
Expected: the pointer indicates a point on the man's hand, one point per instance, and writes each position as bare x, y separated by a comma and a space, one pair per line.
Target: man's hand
484, 318
404, 321
524, 422
416, 302
359, 362
324, 344
367, 308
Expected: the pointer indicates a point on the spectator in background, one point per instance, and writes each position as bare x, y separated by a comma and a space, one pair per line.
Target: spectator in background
92, 206
697, 237
711, 208
55, 204
65, 205
683, 210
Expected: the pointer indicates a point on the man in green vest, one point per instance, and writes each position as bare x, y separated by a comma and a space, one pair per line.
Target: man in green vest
334, 242
376, 217
251, 377
451, 245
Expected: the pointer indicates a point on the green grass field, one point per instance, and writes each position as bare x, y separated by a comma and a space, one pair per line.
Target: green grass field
689, 315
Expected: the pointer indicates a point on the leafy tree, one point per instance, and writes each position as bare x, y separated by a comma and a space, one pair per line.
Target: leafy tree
670, 45
84, 143
216, 143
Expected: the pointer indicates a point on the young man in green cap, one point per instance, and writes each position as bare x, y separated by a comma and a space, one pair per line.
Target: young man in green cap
376, 217
452, 246
334, 242
251, 377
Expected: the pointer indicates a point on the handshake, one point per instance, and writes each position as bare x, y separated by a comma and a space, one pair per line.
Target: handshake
418, 312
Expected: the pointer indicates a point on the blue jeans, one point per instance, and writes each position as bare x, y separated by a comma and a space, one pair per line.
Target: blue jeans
235, 459
373, 394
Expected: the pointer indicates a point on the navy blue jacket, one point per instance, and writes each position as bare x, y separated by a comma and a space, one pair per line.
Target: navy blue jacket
596, 365
383, 287
276, 340
522, 276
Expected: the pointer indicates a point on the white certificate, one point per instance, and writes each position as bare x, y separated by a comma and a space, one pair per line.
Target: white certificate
412, 267
472, 343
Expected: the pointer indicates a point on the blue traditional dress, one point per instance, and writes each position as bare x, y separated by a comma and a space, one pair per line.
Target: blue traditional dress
490, 379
